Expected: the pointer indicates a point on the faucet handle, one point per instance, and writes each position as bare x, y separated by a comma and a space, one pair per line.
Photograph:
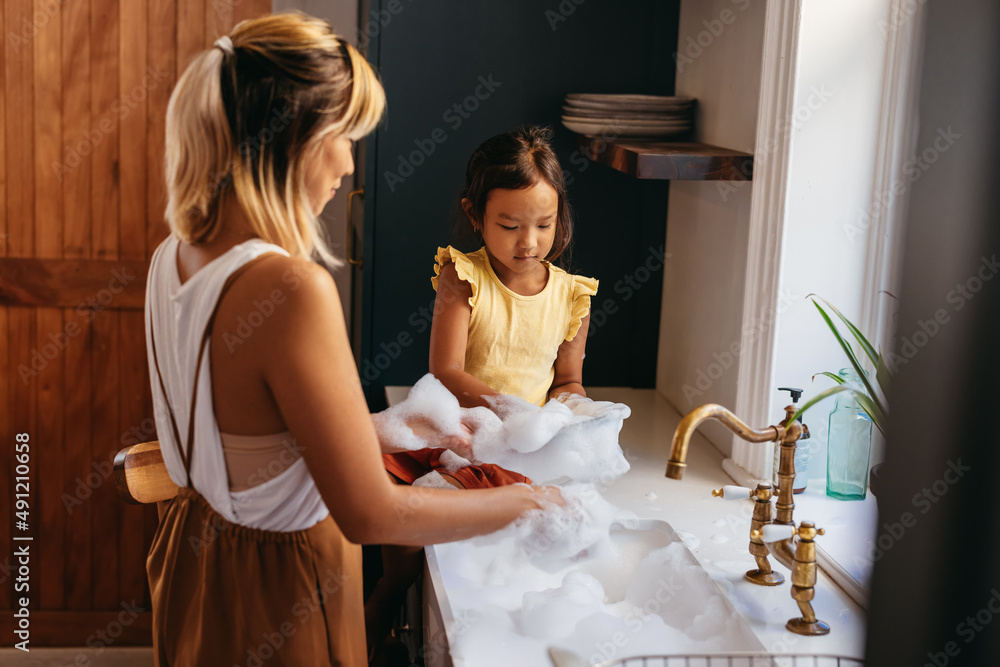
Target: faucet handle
731, 492
775, 532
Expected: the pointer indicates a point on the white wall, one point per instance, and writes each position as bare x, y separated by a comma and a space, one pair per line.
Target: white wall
719, 63
838, 90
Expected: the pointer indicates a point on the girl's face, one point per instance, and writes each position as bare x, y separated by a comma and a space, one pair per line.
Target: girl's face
325, 168
519, 227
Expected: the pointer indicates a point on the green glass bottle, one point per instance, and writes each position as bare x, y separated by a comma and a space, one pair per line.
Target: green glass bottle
849, 446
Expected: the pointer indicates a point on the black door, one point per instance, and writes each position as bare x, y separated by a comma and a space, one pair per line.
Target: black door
457, 72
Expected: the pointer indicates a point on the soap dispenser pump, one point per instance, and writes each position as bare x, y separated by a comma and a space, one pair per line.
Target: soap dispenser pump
801, 449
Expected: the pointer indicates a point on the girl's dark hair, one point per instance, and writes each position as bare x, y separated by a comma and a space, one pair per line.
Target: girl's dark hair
515, 160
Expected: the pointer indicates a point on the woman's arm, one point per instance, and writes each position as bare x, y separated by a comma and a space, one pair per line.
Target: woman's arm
569, 363
449, 337
311, 373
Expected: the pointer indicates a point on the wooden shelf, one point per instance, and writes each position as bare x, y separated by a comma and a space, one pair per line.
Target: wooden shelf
681, 160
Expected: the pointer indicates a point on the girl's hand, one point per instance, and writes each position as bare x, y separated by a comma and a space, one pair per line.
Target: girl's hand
426, 430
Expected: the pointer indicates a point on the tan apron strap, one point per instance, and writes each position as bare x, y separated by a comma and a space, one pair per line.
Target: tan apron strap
185, 447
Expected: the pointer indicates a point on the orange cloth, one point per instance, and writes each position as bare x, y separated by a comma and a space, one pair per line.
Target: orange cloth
407, 467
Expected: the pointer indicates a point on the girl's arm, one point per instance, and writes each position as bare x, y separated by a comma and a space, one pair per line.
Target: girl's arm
310, 370
449, 337
569, 363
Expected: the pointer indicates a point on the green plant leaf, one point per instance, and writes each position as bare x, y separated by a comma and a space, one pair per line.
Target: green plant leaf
851, 357
867, 347
833, 376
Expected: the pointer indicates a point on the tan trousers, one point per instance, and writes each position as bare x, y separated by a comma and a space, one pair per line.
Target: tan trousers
226, 595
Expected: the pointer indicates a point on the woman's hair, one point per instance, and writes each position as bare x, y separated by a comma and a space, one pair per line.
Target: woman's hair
247, 115
512, 161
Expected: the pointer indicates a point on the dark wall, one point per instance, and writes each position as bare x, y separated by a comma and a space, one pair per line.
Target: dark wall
457, 72
936, 584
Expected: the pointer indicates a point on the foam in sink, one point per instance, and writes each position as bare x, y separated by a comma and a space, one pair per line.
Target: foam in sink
587, 578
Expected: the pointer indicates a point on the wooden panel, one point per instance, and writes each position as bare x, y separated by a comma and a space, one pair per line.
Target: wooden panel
19, 128
136, 83
78, 283
105, 425
79, 438
50, 459
48, 130
190, 32
250, 9
104, 131
163, 63
219, 19
83, 101
74, 628
23, 334
3, 158
74, 169
8, 425
133, 376
6, 350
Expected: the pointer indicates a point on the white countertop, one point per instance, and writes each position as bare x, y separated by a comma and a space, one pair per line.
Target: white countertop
716, 531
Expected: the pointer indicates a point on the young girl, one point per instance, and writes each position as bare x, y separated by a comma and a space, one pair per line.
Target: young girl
506, 319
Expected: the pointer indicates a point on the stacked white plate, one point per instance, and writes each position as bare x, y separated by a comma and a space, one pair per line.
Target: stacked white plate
628, 116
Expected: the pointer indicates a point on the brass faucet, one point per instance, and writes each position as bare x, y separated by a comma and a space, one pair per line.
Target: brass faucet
802, 560
788, 435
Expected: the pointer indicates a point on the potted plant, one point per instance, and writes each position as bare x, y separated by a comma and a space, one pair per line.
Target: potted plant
862, 391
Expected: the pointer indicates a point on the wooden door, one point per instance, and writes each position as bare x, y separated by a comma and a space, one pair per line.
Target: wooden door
82, 106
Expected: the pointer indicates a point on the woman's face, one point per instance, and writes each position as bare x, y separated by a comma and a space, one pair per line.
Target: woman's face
325, 168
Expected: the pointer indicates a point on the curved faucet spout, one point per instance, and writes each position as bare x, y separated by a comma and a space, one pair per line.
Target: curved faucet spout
693, 419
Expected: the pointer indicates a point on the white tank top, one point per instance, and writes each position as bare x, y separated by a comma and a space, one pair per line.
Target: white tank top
178, 314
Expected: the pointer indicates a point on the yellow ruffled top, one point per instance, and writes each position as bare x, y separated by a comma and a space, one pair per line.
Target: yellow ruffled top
514, 339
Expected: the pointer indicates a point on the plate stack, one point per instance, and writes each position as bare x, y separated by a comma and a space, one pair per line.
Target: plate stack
628, 116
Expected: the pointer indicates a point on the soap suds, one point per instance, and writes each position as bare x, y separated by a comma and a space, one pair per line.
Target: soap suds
570, 437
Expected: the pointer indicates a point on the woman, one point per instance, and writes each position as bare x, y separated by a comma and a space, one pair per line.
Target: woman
260, 415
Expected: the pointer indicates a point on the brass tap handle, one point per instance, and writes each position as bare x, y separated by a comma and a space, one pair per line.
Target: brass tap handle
731, 492
762, 516
804, 573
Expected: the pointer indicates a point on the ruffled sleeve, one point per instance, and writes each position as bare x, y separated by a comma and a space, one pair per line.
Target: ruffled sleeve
463, 265
583, 289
